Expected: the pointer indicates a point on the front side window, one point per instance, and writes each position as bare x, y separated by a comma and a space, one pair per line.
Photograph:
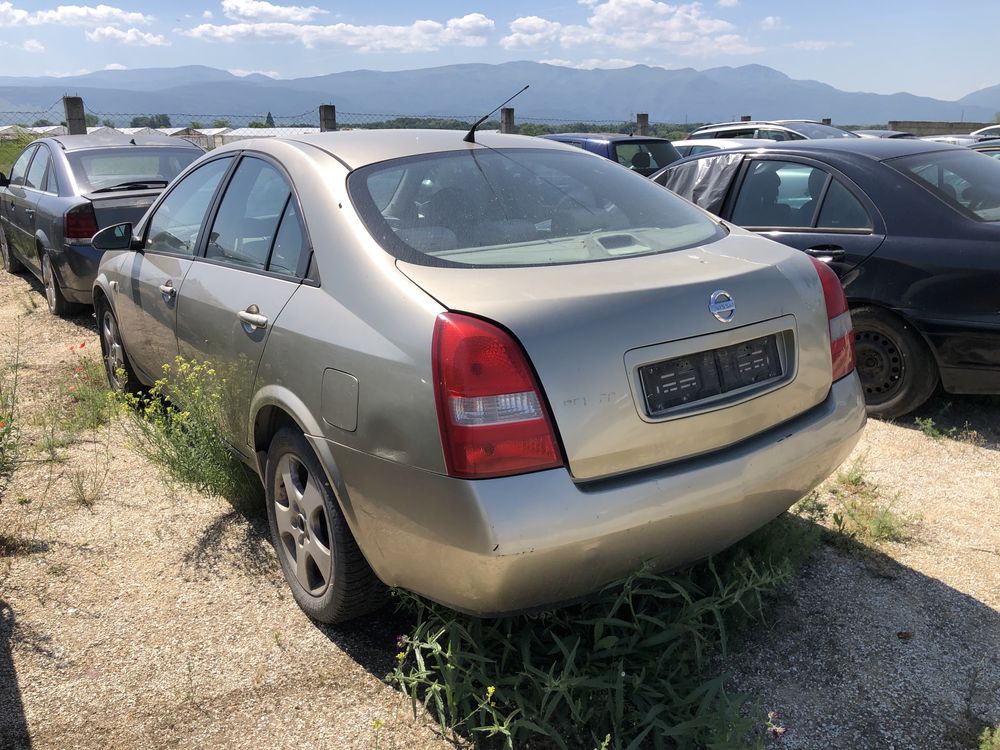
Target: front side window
176, 223
36, 172
961, 178
520, 207
20, 167
248, 216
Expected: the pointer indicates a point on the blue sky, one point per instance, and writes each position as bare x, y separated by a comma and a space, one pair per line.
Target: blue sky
924, 48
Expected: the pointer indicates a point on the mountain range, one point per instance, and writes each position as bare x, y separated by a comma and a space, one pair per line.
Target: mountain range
556, 93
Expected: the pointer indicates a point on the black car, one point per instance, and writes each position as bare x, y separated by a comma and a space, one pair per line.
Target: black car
62, 190
912, 229
642, 154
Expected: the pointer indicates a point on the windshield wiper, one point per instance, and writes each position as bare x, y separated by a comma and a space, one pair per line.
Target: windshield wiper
132, 185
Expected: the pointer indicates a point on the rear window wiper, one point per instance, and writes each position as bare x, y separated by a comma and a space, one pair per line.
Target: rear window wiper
135, 184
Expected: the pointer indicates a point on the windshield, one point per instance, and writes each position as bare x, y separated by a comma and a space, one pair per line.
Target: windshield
816, 130
961, 178
520, 207
100, 168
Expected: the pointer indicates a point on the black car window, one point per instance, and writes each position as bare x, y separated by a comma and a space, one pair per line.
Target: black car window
771, 195
289, 244
841, 210
704, 182
36, 172
174, 226
248, 216
645, 157
960, 177
776, 135
21, 166
51, 183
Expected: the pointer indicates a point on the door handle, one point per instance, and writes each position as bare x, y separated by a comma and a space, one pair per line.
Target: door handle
167, 290
826, 253
252, 317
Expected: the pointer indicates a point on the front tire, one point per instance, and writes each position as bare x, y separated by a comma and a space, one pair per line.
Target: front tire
10, 263
329, 577
897, 370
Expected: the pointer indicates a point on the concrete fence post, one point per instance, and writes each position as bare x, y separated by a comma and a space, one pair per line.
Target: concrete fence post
76, 118
745, 118
642, 124
507, 120
327, 117
827, 121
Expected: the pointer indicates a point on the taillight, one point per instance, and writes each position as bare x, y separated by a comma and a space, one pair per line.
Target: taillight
80, 222
841, 331
494, 420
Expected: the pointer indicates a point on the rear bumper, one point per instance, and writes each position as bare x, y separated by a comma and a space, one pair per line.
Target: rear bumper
76, 269
504, 545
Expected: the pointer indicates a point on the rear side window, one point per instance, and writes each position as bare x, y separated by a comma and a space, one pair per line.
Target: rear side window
248, 217
961, 178
520, 207
36, 172
102, 168
20, 167
289, 253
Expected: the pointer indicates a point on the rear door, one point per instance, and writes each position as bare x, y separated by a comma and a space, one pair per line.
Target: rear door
255, 257
147, 307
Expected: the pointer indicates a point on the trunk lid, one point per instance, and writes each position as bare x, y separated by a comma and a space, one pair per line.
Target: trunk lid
610, 342
118, 208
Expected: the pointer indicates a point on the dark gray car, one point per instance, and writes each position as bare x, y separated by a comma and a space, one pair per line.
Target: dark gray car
62, 190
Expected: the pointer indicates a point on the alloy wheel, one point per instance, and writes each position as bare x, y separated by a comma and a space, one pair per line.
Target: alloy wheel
302, 524
48, 279
113, 350
4, 251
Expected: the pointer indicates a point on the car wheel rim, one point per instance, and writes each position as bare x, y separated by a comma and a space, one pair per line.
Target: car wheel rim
50, 283
4, 251
114, 352
303, 525
880, 365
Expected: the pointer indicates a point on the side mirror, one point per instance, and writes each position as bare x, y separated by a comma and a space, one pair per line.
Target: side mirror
4, 182
118, 237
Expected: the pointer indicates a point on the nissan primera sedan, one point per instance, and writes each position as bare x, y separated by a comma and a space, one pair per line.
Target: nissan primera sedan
912, 229
62, 190
499, 374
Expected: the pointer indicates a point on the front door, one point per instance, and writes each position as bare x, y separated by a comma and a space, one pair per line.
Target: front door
15, 206
253, 263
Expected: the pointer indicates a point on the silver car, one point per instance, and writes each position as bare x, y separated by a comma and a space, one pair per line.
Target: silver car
62, 190
500, 374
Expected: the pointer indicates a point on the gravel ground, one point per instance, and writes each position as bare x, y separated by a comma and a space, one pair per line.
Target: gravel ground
159, 619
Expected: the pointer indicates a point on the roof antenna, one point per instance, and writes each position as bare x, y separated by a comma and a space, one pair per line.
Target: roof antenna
470, 137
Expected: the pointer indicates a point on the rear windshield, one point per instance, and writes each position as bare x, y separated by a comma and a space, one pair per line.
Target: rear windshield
961, 178
100, 168
645, 157
520, 207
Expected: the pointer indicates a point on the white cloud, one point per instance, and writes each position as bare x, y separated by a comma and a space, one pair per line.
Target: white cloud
594, 62
818, 46
208, 14
728, 3
70, 15
420, 36
634, 25
260, 11
33, 45
770, 23
115, 66
132, 37
242, 73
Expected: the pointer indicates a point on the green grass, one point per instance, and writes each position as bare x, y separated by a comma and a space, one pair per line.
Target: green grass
632, 667
10, 433
9, 149
990, 738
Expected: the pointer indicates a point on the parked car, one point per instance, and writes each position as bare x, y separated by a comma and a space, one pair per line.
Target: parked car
499, 374
883, 134
771, 130
912, 229
642, 154
990, 131
989, 147
704, 145
62, 190
952, 140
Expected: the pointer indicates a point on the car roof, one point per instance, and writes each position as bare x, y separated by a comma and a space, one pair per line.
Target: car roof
873, 148
357, 148
724, 142
602, 137
988, 143
112, 140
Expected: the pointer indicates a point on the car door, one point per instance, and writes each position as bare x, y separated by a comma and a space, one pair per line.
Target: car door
253, 262
148, 307
14, 207
34, 187
807, 205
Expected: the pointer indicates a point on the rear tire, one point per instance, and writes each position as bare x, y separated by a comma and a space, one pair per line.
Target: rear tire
53, 292
329, 577
118, 368
897, 370
10, 263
